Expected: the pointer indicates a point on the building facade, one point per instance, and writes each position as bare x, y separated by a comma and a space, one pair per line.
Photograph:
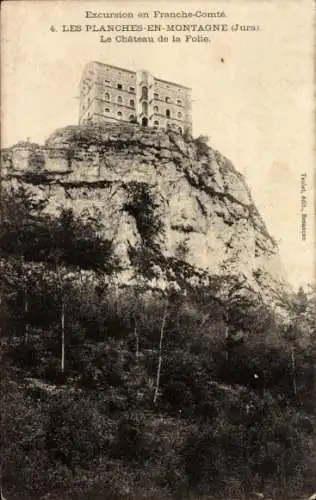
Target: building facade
112, 94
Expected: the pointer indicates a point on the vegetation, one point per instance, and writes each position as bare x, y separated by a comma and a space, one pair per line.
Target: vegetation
124, 394
142, 207
201, 144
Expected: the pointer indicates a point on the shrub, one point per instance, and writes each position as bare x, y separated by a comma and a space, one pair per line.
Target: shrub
143, 208
202, 149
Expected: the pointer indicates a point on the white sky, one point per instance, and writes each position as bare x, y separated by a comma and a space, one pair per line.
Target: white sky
256, 107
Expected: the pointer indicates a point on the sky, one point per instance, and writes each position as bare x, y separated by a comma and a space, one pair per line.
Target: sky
252, 90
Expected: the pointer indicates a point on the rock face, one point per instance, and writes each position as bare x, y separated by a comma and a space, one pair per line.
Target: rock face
197, 207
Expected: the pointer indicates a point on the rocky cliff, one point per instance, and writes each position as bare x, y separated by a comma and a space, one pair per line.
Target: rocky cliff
156, 189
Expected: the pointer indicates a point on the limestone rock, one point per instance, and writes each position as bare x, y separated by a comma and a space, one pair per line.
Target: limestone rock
200, 205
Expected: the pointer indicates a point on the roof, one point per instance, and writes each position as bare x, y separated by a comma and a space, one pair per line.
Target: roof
133, 73
114, 67
173, 83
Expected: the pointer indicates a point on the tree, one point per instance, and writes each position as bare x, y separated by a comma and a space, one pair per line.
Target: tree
299, 330
22, 222
162, 331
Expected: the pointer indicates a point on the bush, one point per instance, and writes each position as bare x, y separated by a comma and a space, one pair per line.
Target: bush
143, 208
201, 145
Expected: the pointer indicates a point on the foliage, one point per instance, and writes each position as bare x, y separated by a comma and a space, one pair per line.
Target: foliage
201, 144
142, 207
234, 413
28, 232
182, 250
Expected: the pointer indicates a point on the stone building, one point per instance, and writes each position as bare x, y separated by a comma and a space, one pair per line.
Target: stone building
112, 94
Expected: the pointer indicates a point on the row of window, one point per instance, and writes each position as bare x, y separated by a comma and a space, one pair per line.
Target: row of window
120, 86
145, 93
144, 106
119, 113
145, 109
119, 73
166, 86
168, 112
119, 100
167, 99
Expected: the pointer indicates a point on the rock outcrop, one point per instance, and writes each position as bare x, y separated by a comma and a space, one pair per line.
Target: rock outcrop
158, 189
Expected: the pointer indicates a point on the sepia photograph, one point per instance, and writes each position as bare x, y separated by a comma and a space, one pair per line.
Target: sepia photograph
157, 250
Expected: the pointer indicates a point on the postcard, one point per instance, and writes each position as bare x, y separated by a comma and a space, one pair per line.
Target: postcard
158, 249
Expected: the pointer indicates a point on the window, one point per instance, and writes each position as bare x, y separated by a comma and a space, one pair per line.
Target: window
119, 113
107, 82
180, 130
131, 118
156, 96
156, 122
144, 93
132, 89
132, 103
107, 110
179, 114
167, 99
156, 109
119, 86
179, 102
144, 107
119, 99
168, 113
107, 96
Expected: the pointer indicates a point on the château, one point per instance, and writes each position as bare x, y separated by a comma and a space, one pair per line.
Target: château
112, 94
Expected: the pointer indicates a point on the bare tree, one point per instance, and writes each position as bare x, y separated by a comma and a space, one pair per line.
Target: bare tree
64, 279
136, 335
162, 329
26, 311
62, 321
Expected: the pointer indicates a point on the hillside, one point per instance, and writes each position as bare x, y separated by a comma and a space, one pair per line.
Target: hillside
157, 190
